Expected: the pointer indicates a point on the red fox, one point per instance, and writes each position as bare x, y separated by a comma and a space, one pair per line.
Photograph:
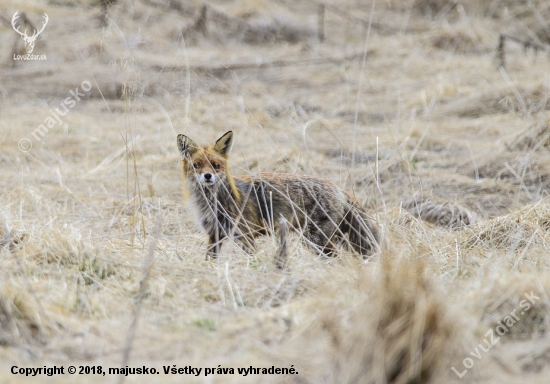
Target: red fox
246, 207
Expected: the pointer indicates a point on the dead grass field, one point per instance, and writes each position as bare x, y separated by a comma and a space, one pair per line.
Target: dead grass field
409, 112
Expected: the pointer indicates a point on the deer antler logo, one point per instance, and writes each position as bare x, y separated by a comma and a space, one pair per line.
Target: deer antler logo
29, 40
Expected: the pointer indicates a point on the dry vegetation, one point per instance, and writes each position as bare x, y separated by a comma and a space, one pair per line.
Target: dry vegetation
103, 264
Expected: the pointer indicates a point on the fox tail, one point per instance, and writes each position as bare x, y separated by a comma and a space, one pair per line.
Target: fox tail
363, 234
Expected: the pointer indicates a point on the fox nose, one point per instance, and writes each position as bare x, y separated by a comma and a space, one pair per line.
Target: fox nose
207, 176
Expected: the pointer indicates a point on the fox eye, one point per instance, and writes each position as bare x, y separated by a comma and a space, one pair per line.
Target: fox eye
216, 166
196, 165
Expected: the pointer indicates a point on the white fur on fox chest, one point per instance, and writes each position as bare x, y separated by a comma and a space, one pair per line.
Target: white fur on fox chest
207, 214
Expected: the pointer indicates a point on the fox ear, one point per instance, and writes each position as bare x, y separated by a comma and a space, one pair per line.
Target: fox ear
187, 146
223, 145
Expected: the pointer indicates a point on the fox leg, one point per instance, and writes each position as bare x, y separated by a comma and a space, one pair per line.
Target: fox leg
214, 246
329, 250
246, 243
327, 247
324, 242
282, 252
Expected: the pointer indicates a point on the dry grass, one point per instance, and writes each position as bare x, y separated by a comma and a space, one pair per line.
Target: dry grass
449, 154
406, 341
440, 212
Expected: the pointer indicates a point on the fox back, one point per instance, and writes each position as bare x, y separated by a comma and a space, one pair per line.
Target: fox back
246, 207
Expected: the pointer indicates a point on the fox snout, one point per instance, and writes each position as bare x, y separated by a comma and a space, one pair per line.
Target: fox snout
208, 178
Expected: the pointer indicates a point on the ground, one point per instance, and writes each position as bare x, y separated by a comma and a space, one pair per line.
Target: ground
409, 106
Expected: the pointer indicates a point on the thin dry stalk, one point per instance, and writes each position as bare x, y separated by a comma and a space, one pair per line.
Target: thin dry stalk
126, 352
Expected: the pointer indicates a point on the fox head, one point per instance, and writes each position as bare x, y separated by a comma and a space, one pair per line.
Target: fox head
206, 166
